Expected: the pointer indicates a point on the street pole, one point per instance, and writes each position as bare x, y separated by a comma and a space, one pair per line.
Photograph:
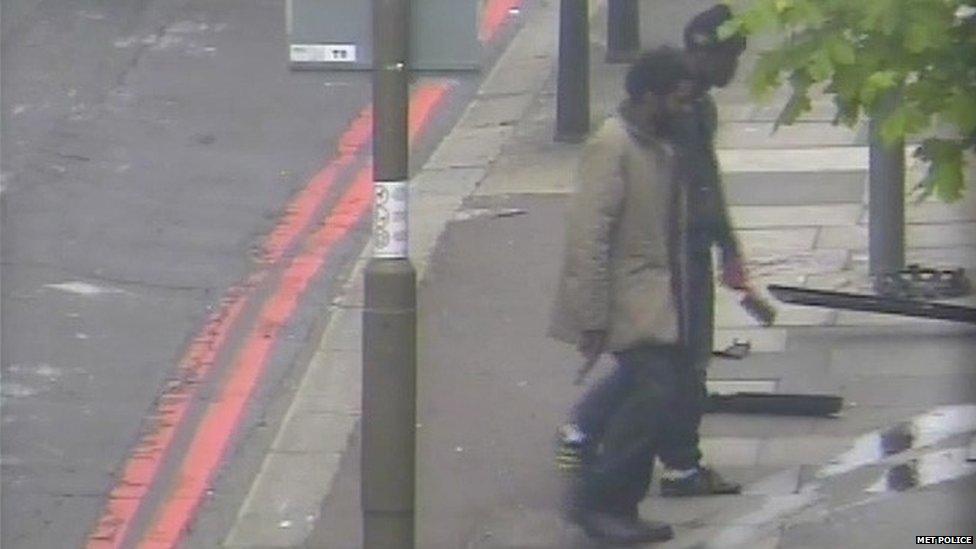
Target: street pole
573, 85
886, 199
388, 478
623, 31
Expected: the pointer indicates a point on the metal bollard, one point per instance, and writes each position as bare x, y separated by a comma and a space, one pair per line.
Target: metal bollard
886, 200
623, 31
573, 85
388, 479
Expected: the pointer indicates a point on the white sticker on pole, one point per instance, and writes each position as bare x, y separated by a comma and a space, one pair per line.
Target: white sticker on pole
323, 53
390, 219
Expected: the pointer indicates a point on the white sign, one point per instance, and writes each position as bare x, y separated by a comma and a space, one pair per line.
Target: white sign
323, 53
390, 230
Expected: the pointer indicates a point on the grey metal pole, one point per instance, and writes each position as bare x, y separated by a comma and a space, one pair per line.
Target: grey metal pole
886, 200
623, 31
573, 86
388, 478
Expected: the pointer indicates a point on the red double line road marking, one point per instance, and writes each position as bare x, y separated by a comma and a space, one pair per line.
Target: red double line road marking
141, 470
299, 213
493, 17
207, 449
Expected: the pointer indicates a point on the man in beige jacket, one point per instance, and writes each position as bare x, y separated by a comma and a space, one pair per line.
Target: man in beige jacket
622, 289
713, 63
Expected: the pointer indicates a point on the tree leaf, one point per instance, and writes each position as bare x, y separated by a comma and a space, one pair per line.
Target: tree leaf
876, 85
799, 101
864, 50
947, 178
904, 121
961, 111
945, 172
923, 34
766, 74
841, 51
819, 66
730, 28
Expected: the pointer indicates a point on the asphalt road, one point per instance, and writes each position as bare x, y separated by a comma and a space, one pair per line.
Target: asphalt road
150, 147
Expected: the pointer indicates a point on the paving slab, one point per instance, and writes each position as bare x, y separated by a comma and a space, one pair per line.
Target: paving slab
825, 159
785, 188
948, 257
428, 216
470, 148
787, 266
496, 110
552, 172
783, 482
758, 426
910, 358
289, 510
526, 63
848, 280
760, 135
939, 212
934, 235
801, 450
822, 110
331, 431
334, 386
757, 217
729, 314
731, 451
857, 418
888, 390
754, 240
451, 182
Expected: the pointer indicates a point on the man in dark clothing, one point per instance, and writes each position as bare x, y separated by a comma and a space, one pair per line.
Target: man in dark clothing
712, 63
623, 289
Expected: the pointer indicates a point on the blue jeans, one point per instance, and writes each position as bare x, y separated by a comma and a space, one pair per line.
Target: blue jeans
646, 403
598, 404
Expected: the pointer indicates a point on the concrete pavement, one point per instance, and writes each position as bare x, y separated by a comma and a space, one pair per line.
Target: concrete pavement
488, 221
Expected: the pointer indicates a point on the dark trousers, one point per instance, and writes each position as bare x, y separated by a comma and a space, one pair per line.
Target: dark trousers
659, 395
681, 450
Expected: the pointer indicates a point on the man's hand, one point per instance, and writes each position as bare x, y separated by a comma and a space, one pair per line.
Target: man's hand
734, 274
591, 344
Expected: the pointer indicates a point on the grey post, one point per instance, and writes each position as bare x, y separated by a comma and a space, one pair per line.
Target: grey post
389, 315
623, 31
886, 198
573, 86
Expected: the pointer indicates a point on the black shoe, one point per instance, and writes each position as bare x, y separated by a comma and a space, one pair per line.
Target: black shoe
622, 530
703, 482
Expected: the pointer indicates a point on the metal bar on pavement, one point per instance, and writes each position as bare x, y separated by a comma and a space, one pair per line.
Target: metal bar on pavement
778, 404
873, 304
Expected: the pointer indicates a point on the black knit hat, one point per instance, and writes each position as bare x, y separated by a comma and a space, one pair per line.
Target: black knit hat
701, 33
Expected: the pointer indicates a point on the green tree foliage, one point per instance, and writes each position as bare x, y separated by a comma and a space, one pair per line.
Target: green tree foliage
864, 53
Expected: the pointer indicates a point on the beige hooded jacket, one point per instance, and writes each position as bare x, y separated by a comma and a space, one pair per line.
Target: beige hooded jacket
623, 260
